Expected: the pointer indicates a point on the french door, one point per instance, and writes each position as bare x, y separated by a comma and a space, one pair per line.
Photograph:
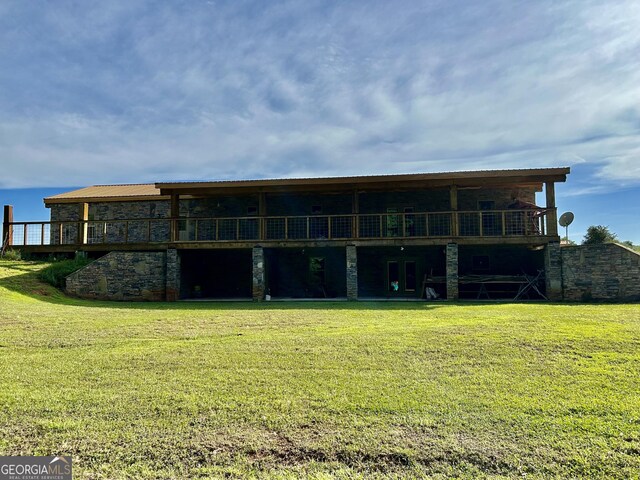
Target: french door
401, 277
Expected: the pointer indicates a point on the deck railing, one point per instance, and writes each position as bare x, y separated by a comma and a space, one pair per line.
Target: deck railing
485, 223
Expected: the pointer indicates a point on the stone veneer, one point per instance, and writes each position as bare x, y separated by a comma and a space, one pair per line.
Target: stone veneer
553, 271
352, 272
258, 276
600, 272
452, 271
608, 272
172, 286
121, 276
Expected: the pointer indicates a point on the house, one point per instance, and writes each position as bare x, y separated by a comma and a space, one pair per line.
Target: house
479, 234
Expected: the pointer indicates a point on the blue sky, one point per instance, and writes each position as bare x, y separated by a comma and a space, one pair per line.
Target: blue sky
129, 92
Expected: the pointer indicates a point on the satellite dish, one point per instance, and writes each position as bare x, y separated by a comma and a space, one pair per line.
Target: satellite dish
565, 219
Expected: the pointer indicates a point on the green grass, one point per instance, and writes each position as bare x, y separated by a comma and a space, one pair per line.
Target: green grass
56, 273
318, 390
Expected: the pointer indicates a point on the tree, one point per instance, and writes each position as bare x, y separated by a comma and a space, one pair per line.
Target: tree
598, 234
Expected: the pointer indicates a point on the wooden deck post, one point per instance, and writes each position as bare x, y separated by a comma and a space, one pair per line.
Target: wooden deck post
453, 200
83, 230
262, 212
552, 216
355, 209
7, 230
175, 213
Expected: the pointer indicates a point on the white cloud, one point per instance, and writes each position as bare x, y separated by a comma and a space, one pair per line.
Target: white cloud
122, 92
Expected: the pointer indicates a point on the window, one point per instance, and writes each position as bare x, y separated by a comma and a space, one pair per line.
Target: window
316, 209
486, 205
393, 277
402, 276
252, 210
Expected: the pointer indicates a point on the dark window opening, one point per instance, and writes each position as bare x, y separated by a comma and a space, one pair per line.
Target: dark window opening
252, 210
410, 276
486, 205
315, 209
393, 276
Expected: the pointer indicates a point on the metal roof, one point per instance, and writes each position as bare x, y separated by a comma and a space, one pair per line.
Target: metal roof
358, 179
161, 190
107, 192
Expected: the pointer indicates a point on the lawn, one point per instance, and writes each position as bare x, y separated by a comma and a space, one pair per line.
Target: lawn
318, 390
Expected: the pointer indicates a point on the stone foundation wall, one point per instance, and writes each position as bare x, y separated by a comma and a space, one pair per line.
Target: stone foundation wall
600, 272
608, 272
121, 276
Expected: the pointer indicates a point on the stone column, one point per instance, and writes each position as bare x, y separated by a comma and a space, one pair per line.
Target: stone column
452, 271
553, 270
173, 275
258, 274
352, 272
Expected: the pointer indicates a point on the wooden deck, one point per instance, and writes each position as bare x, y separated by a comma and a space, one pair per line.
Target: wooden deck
415, 228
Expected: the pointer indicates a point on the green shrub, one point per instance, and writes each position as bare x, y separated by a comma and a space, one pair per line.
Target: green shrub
56, 272
12, 255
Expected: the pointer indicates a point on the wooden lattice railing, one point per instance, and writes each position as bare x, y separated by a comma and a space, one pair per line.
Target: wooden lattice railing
485, 223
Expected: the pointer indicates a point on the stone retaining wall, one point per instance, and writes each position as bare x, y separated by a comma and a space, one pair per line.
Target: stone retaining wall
600, 272
121, 276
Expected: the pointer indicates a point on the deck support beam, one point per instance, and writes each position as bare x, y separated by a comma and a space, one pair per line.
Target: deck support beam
258, 275
552, 215
175, 213
453, 201
7, 231
84, 226
352, 272
452, 271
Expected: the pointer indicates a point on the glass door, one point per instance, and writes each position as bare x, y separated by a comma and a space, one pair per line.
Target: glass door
401, 277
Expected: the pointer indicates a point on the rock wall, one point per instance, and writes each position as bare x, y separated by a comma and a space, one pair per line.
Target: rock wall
553, 270
600, 272
608, 272
121, 276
